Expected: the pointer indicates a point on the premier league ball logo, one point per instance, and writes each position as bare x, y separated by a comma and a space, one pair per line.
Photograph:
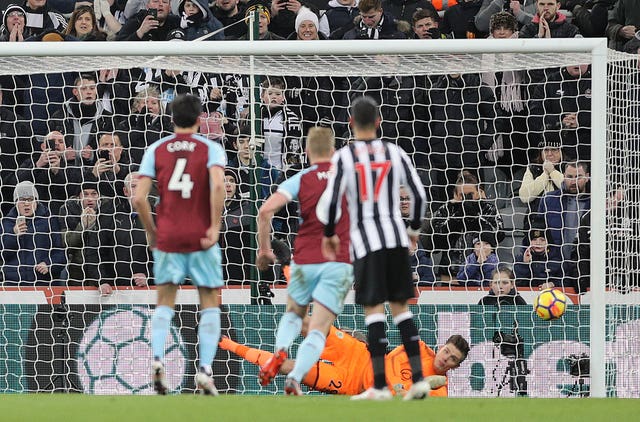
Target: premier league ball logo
114, 355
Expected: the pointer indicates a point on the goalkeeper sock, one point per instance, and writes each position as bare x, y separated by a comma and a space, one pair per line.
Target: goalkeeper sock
410, 340
288, 329
227, 344
160, 325
208, 335
377, 346
308, 354
257, 356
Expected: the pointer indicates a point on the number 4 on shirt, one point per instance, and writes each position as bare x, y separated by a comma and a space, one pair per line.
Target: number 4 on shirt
381, 168
181, 181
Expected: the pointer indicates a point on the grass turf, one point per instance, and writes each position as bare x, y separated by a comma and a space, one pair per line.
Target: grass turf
78, 407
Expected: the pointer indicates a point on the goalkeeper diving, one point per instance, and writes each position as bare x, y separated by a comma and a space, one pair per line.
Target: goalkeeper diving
345, 364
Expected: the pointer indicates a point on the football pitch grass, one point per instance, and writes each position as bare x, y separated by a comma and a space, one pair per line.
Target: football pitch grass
80, 407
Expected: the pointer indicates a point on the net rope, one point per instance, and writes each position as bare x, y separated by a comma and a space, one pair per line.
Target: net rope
73, 346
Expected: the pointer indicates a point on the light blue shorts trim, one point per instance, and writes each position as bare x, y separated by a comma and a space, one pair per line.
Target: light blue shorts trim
204, 268
327, 283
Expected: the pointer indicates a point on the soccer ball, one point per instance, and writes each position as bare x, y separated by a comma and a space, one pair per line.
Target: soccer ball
550, 304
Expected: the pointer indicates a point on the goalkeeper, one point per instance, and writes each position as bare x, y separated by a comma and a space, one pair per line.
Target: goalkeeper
345, 364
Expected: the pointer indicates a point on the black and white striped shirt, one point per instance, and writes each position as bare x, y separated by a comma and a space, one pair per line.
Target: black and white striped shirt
370, 175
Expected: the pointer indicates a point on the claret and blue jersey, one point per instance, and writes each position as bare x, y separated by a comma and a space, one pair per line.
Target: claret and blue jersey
180, 163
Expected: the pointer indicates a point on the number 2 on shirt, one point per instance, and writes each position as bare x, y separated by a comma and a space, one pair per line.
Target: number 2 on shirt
382, 168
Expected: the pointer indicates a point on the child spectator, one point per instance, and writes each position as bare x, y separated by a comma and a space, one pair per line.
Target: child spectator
503, 289
197, 20
281, 127
481, 263
540, 265
249, 169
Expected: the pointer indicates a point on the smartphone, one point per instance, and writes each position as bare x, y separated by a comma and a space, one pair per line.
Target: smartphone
51, 144
468, 197
153, 12
104, 153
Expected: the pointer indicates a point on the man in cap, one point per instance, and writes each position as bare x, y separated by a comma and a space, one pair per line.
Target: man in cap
264, 19
540, 265
87, 223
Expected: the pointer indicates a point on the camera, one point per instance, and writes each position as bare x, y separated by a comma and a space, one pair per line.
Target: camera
104, 154
511, 345
579, 365
153, 12
507, 5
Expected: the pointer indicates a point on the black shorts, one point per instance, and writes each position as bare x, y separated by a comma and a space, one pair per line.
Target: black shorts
382, 276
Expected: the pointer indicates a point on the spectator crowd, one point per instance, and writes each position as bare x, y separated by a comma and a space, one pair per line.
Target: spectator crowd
486, 145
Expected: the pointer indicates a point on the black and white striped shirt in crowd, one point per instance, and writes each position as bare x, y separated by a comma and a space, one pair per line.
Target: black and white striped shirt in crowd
370, 175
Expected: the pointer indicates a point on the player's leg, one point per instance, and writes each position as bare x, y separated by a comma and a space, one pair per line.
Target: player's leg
311, 347
208, 336
334, 281
289, 328
205, 269
330, 379
371, 293
290, 325
169, 270
401, 288
160, 326
250, 354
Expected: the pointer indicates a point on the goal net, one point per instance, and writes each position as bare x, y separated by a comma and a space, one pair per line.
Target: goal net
527, 150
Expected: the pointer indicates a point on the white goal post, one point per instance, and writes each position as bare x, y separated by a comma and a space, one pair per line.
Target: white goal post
375, 57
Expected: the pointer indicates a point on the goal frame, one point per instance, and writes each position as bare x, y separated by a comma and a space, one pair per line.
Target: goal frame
596, 47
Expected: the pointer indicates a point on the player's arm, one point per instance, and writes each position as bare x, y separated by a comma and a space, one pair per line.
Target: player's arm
143, 208
271, 206
328, 209
216, 200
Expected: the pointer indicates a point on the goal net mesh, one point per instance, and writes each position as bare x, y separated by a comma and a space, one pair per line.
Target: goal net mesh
502, 145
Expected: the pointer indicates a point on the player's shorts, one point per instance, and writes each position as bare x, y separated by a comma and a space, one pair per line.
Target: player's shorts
326, 283
204, 268
382, 276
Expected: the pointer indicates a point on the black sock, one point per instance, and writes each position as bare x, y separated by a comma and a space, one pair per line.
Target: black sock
410, 338
378, 341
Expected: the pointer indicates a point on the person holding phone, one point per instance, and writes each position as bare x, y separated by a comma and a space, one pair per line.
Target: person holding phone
52, 170
283, 16
540, 264
32, 252
455, 226
152, 23
111, 165
196, 20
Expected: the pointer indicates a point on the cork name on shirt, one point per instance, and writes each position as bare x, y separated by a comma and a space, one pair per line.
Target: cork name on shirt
181, 146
